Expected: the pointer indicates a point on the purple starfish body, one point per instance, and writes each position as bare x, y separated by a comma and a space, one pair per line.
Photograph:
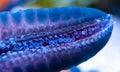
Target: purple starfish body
51, 39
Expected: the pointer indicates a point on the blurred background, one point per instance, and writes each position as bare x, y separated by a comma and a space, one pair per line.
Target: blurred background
108, 59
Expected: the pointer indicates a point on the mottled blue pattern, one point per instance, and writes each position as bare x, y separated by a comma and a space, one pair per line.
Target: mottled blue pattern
30, 16
17, 17
4, 17
42, 15
77, 13
54, 14
55, 46
89, 13
65, 13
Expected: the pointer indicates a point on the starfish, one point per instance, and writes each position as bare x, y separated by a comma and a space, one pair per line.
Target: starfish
51, 39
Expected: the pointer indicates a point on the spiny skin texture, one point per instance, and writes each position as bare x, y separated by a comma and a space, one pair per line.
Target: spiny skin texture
51, 39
